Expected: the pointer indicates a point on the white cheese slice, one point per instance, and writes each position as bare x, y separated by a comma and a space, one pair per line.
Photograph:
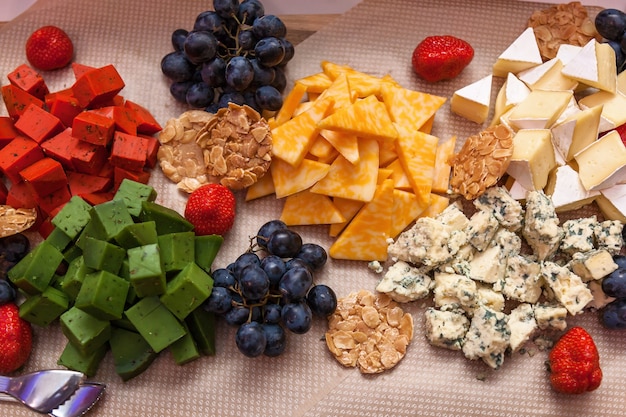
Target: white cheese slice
577, 131
533, 158
516, 189
613, 105
566, 190
534, 74
603, 163
566, 52
612, 202
512, 92
522, 54
548, 76
540, 109
594, 65
621, 82
472, 101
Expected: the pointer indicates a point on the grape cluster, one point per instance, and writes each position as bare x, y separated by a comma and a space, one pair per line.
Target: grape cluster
614, 285
266, 296
234, 53
611, 25
12, 249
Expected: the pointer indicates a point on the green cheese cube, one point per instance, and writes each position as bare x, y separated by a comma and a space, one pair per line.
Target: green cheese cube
146, 270
177, 250
155, 323
33, 273
75, 360
184, 350
73, 216
102, 255
201, 325
132, 354
59, 239
90, 230
74, 277
72, 252
167, 220
103, 295
42, 309
133, 193
110, 217
187, 290
137, 234
206, 249
85, 331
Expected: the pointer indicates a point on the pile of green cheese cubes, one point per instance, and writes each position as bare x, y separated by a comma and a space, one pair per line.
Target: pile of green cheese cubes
136, 276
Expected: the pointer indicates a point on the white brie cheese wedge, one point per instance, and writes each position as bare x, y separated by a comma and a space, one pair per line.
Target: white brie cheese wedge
594, 65
472, 101
533, 158
566, 52
540, 109
522, 54
612, 202
512, 92
603, 163
566, 190
613, 108
548, 76
577, 131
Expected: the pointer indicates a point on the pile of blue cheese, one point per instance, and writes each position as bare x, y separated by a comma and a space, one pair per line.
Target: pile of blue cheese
502, 275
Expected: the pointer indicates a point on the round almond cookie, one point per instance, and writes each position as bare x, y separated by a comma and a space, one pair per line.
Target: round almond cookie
369, 331
16, 220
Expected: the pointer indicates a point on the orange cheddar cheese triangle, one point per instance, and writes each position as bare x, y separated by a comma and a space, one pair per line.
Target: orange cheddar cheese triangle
408, 107
290, 103
321, 148
416, 151
384, 174
352, 181
441, 175
406, 208
366, 117
288, 180
339, 92
306, 208
348, 209
438, 203
387, 153
264, 186
365, 237
316, 83
400, 180
293, 139
345, 143
361, 83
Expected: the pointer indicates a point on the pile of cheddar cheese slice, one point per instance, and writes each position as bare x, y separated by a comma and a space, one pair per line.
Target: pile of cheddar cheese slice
354, 151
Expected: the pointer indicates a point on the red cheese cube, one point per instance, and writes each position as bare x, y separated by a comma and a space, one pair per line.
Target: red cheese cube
46, 227
128, 152
60, 147
63, 105
97, 198
38, 124
81, 184
146, 123
97, 86
4, 191
80, 69
44, 176
88, 158
93, 128
29, 80
120, 173
7, 131
17, 155
152, 148
123, 117
20, 196
51, 202
106, 170
17, 100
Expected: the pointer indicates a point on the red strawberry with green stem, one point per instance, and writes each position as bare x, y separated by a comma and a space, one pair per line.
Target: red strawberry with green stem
211, 209
49, 48
15, 339
574, 363
439, 58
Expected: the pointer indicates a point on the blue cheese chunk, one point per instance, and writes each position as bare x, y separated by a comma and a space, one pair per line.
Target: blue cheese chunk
446, 329
405, 283
522, 324
592, 265
550, 316
453, 217
481, 228
509, 241
488, 337
569, 289
488, 266
522, 279
454, 290
541, 226
608, 236
578, 235
504, 207
489, 297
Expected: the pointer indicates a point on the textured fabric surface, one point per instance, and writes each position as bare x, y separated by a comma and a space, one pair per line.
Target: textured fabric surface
377, 37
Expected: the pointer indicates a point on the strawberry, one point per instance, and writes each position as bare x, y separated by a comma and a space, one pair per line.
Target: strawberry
574, 363
16, 339
211, 209
49, 48
441, 57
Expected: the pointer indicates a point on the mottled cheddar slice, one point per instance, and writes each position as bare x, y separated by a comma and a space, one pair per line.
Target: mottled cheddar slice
416, 151
306, 208
353, 181
438, 203
316, 83
289, 180
322, 149
388, 153
365, 237
302, 107
428, 126
348, 209
361, 83
339, 92
384, 174
406, 208
345, 143
293, 139
400, 179
367, 117
408, 107
290, 103
441, 175
261, 188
